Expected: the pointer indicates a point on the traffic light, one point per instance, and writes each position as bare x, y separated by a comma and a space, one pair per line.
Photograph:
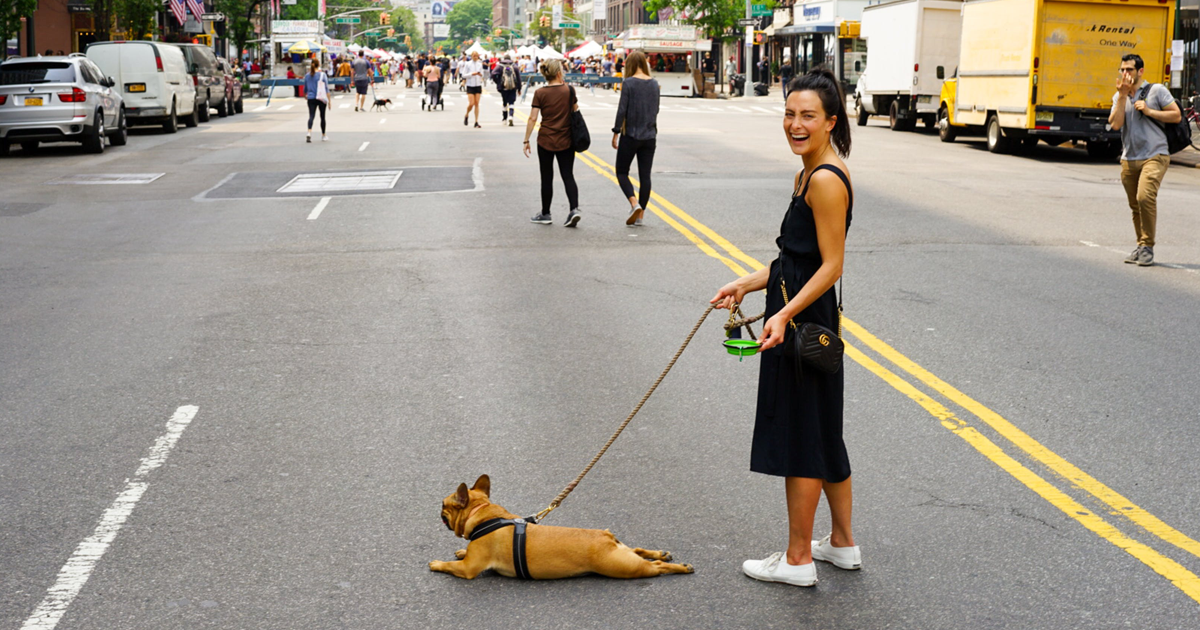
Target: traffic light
407, 40
385, 19
202, 39
391, 32
498, 32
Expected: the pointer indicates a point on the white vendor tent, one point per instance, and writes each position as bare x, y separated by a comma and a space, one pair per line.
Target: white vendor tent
549, 53
588, 49
531, 51
476, 48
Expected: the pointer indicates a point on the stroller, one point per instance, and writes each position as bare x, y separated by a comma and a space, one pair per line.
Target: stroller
441, 101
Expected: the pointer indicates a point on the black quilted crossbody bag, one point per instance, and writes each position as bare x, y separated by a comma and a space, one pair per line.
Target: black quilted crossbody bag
813, 344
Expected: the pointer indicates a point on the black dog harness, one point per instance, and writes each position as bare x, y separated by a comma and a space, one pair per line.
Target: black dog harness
520, 564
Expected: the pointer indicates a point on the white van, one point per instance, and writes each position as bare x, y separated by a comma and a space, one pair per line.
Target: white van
152, 78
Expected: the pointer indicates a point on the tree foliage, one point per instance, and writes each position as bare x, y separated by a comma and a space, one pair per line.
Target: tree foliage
136, 17
553, 36
11, 12
238, 14
717, 18
405, 21
470, 19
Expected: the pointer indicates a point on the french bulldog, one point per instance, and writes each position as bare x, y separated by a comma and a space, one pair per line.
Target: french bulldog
550, 552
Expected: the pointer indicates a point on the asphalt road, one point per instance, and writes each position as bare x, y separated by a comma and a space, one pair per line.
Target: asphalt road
1021, 406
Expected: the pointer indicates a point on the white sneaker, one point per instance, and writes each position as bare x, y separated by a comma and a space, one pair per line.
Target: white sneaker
324, 138
774, 568
848, 558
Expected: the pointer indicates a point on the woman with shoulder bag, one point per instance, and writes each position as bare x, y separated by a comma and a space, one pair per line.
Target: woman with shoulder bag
635, 131
554, 102
316, 88
798, 424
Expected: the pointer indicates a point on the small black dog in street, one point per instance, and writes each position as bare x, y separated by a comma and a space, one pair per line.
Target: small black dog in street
382, 102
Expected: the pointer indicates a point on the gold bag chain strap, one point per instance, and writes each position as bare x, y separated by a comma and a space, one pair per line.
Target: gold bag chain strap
786, 299
571, 486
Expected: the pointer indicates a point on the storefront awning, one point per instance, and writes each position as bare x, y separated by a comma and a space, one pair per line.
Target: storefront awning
801, 29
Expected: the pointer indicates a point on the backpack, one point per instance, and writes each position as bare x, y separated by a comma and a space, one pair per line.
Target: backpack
1179, 134
509, 80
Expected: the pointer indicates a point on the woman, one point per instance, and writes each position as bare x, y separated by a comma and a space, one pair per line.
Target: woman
798, 425
634, 132
316, 88
554, 102
433, 81
472, 72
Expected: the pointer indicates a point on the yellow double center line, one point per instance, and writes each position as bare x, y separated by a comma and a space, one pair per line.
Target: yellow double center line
1178, 575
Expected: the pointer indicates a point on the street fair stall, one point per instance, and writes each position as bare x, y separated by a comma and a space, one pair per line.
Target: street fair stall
670, 50
302, 35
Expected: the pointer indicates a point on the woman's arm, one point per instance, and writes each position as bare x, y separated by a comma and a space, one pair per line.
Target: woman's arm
828, 199
622, 108
733, 293
533, 116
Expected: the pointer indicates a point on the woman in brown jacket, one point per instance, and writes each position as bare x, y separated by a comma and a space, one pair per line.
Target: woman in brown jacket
554, 102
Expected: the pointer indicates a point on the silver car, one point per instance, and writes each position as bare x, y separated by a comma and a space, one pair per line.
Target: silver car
59, 99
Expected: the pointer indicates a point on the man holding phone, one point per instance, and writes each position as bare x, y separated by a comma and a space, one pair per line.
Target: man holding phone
1138, 110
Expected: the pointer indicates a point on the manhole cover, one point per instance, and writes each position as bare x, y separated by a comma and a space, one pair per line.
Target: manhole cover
322, 182
108, 178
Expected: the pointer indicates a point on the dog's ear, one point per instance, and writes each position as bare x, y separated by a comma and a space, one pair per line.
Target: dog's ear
461, 498
484, 485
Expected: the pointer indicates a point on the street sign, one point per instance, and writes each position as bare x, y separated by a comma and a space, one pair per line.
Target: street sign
759, 10
748, 22
348, 20
567, 25
213, 17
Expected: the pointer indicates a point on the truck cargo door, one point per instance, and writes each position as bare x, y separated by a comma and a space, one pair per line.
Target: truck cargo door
941, 30
1082, 44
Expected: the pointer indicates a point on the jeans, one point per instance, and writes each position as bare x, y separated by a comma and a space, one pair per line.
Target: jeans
566, 167
627, 148
313, 106
1141, 179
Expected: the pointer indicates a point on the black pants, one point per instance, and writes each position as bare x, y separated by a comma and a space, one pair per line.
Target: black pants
627, 148
507, 99
566, 168
313, 106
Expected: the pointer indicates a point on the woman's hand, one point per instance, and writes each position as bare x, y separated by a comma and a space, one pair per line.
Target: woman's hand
729, 296
615, 137
527, 148
773, 332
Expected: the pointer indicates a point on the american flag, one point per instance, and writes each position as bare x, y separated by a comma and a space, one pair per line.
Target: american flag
196, 7
177, 9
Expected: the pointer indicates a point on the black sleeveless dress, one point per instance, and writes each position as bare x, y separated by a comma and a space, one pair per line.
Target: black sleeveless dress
798, 425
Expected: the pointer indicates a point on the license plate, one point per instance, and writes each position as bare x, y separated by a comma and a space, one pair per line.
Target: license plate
135, 87
33, 101
1044, 117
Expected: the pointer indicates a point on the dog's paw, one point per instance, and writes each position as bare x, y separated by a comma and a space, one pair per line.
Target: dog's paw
690, 568
436, 565
666, 556
460, 554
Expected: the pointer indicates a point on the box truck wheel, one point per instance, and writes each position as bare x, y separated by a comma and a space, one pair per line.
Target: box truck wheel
896, 122
860, 113
945, 131
996, 142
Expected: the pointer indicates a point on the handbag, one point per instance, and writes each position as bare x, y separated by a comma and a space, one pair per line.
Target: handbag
813, 343
323, 89
580, 138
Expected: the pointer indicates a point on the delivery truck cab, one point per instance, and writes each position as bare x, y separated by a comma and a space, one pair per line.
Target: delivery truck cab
1033, 70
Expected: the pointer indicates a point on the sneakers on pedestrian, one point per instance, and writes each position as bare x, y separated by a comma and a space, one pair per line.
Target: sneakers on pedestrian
1146, 257
774, 568
308, 138
478, 126
510, 122
465, 120
324, 138
543, 218
635, 216
848, 558
1133, 256
572, 218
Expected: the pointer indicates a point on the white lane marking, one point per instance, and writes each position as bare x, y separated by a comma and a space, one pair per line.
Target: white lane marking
285, 108
364, 146
382, 120
736, 108
79, 566
781, 110
761, 109
344, 106
316, 212
260, 108
1089, 243
340, 96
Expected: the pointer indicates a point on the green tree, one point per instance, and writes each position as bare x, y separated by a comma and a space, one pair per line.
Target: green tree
470, 19
11, 12
136, 17
102, 19
238, 14
717, 17
554, 36
405, 21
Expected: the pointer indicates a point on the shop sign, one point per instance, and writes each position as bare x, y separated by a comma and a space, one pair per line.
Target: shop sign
296, 27
783, 17
662, 31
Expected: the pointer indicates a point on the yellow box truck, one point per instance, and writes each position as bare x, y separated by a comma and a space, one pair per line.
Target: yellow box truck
1033, 70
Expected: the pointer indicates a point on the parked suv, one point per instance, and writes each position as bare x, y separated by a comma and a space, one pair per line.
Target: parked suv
233, 88
58, 99
206, 76
152, 78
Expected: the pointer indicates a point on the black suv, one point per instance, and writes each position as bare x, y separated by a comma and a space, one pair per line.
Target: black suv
207, 76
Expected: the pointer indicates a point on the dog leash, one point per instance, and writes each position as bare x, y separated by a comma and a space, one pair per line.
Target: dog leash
571, 486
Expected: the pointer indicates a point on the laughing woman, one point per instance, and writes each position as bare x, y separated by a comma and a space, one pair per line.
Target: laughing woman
798, 424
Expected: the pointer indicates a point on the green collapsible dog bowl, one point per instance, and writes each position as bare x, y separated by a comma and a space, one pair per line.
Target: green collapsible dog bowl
741, 347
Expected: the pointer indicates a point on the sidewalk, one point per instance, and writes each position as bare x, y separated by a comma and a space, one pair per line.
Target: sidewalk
1189, 157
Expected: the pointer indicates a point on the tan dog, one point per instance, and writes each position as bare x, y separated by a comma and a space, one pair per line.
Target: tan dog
551, 552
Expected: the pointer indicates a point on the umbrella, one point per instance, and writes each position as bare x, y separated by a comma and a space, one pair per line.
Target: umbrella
305, 46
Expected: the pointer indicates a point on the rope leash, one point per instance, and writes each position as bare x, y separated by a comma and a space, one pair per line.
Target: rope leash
571, 486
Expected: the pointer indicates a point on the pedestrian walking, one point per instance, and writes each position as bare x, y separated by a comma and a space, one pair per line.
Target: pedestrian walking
316, 89
508, 80
362, 78
1138, 108
635, 132
554, 103
454, 69
798, 424
785, 76
472, 72
433, 84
